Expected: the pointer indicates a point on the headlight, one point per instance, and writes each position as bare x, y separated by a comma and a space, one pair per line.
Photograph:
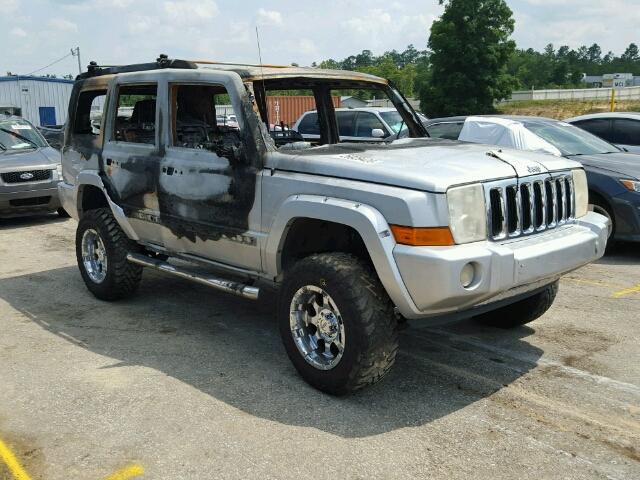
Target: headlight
467, 213
581, 192
632, 185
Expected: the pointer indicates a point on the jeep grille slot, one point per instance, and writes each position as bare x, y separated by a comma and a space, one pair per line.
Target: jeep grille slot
533, 205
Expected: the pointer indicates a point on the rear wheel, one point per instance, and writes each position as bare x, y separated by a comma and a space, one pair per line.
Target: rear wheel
337, 323
522, 312
101, 251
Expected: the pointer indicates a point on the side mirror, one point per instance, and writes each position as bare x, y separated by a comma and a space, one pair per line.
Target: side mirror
378, 133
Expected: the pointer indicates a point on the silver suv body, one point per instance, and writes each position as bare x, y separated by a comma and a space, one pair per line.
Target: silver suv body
354, 237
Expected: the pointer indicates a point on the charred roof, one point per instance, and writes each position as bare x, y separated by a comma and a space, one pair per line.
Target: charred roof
246, 71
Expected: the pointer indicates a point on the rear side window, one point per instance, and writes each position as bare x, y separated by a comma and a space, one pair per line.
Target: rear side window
309, 124
450, 131
88, 115
346, 123
600, 127
366, 123
136, 114
626, 131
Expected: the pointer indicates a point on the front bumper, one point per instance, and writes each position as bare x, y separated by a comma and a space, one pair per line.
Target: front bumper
44, 199
432, 274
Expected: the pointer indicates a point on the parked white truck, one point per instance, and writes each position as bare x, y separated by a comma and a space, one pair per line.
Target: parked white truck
353, 237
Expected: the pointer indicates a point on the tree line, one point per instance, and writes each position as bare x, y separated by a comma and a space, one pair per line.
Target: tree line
470, 61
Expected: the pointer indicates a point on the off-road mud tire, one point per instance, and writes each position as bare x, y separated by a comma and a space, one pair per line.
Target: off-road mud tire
367, 312
123, 277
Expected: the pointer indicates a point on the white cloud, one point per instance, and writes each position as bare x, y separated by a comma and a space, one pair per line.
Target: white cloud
8, 6
374, 21
269, 17
138, 24
188, 12
62, 25
308, 47
18, 32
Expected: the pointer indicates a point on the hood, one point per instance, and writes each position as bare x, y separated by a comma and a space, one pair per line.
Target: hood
622, 164
419, 163
42, 158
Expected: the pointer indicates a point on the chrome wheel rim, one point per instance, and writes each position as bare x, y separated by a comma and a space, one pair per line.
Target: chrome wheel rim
94, 256
317, 327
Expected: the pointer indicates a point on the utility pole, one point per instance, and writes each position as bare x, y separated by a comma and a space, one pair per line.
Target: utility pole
76, 53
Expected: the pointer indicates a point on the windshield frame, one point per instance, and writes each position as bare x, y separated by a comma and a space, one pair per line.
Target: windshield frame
322, 88
592, 145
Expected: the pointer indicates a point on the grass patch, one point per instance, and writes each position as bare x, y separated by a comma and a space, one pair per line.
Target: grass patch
562, 109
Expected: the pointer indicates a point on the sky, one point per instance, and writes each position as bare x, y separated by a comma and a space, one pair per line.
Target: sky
34, 33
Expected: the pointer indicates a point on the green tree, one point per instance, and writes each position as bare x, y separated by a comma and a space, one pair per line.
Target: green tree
470, 47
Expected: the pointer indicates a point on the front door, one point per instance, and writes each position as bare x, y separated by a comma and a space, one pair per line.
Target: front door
209, 187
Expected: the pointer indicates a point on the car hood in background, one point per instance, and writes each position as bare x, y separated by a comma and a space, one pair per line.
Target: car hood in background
42, 158
419, 163
622, 164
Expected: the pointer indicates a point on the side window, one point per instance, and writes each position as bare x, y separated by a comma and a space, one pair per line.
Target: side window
346, 123
600, 127
309, 124
203, 118
136, 114
88, 115
450, 131
365, 124
626, 131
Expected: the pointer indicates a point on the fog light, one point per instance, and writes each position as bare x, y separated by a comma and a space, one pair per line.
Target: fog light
467, 275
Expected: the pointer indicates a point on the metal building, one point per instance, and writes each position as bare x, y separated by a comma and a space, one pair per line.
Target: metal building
41, 100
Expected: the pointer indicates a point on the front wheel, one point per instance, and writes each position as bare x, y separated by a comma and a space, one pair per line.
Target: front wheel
101, 251
337, 323
522, 312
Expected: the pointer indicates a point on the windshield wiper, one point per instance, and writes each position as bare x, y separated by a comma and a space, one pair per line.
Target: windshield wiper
2, 146
17, 135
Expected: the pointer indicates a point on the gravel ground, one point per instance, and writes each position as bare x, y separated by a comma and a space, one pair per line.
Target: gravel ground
192, 384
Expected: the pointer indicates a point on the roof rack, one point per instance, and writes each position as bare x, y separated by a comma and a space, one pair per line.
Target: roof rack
232, 64
163, 61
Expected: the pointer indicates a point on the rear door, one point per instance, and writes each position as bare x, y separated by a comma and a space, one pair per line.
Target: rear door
131, 154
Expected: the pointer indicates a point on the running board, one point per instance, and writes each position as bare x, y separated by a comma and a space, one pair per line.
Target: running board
221, 284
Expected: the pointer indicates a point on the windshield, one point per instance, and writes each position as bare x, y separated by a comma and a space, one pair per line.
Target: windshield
394, 120
570, 140
17, 134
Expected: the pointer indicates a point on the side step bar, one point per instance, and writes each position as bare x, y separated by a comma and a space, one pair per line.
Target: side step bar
221, 284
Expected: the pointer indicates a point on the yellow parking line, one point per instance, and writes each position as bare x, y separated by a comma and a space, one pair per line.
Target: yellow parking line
10, 460
627, 291
12, 463
126, 472
597, 283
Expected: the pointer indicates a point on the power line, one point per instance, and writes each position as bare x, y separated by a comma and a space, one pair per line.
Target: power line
52, 63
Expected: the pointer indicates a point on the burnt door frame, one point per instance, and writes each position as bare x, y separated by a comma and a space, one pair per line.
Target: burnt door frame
208, 201
131, 168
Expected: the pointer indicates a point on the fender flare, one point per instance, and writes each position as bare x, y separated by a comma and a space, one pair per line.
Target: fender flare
92, 178
366, 220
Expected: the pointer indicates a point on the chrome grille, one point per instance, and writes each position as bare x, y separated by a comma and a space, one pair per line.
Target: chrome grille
532, 205
28, 176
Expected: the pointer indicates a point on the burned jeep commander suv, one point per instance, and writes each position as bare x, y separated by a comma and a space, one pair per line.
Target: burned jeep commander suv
355, 233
